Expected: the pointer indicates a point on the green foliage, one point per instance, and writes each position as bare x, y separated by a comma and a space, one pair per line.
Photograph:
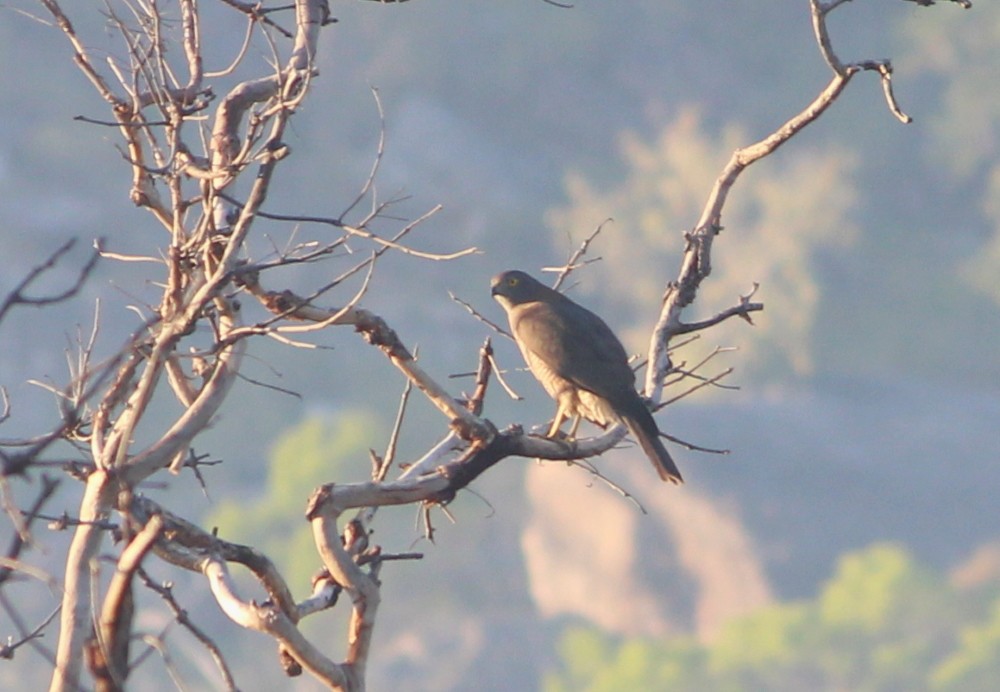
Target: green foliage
750, 649
975, 665
881, 622
318, 450
870, 588
595, 663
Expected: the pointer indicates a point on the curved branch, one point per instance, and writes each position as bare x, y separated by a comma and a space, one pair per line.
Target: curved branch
272, 621
74, 618
189, 545
697, 264
110, 656
441, 484
361, 587
195, 418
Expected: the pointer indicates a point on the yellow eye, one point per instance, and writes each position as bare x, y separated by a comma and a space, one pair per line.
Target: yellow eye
512, 281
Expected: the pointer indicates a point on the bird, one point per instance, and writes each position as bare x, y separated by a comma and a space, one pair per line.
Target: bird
579, 362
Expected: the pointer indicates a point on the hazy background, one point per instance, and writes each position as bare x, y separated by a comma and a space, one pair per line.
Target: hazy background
869, 392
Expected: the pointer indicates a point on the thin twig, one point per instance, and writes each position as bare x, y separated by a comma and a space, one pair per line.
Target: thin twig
7, 650
17, 297
165, 591
21, 536
574, 260
475, 313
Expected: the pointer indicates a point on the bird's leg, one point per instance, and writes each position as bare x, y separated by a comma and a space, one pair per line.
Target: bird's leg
557, 421
555, 434
576, 426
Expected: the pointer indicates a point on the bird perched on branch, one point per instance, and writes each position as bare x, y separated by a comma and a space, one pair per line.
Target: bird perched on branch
580, 363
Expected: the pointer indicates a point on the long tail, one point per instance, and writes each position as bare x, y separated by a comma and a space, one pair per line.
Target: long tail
646, 432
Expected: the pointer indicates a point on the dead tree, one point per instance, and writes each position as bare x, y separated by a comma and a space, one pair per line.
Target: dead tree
189, 136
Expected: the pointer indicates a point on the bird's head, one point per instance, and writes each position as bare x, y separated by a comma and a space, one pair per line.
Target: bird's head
515, 287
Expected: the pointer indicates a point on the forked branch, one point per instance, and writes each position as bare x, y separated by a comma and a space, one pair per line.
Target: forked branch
696, 263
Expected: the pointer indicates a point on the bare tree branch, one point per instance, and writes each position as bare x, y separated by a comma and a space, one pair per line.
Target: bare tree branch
8, 650
165, 591
17, 296
696, 264
108, 653
18, 541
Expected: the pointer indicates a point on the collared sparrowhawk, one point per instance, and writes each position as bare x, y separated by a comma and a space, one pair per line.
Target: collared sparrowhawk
580, 363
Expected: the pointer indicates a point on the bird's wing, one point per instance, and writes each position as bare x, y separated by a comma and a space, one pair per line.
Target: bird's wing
576, 345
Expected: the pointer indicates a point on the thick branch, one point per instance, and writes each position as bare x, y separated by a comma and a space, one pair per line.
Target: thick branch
443, 482
361, 587
186, 545
270, 620
74, 621
195, 418
110, 654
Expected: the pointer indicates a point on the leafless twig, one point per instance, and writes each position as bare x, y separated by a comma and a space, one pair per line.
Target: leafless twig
574, 260
165, 591
17, 295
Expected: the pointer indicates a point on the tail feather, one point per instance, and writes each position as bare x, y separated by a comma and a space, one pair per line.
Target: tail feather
647, 434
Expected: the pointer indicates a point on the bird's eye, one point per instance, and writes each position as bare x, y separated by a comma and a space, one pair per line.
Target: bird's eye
512, 281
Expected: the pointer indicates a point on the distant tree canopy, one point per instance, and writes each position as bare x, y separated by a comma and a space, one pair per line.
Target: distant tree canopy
882, 622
